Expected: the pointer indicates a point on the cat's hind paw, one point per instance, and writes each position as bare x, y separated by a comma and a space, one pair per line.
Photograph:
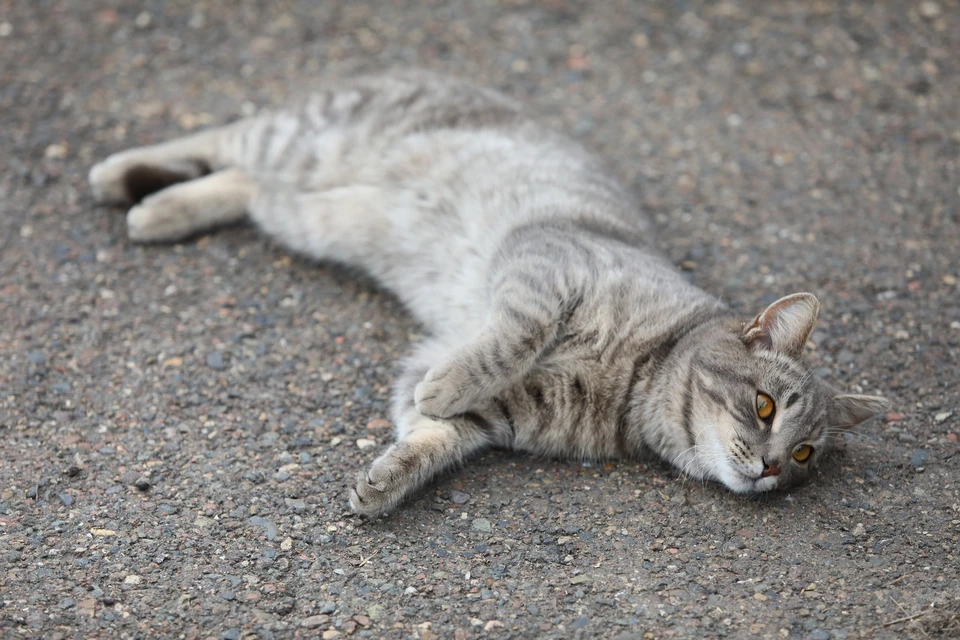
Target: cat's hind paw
107, 180
160, 218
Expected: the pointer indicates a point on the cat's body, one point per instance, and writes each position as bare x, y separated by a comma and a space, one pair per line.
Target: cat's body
555, 327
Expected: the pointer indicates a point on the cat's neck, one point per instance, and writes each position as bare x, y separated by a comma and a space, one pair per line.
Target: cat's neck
659, 416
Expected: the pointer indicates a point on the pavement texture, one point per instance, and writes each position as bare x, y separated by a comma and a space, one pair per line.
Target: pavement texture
179, 425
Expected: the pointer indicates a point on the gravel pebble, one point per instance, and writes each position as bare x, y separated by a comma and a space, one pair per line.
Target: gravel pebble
482, 524
215, 361
268, 528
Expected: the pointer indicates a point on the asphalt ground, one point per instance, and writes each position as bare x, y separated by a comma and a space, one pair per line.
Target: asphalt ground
179, 425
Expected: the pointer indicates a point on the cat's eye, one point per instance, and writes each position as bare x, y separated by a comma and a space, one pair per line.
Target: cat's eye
802, 452
764, 406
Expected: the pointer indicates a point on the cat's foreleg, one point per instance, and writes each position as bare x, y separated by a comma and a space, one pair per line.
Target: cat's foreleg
522, 326
184, 209
424, 448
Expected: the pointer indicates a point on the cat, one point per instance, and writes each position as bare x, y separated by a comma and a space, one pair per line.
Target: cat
555, 325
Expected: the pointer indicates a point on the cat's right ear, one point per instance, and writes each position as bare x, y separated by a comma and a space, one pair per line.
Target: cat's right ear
784, 326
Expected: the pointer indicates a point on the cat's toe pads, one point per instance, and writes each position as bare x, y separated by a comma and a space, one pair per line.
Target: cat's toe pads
387, 481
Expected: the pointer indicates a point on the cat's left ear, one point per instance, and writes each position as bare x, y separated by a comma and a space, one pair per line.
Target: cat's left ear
848, 411
785, 325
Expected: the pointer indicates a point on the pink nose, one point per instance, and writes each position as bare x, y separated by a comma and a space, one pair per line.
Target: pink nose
770, 468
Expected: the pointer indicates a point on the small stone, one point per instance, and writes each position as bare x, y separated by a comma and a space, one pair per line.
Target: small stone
231, 634
366, 443
818, 634
172, 362
142, 20
362, 619
269, 529
330, 633
109, 601
314, 621
36, 357
328, 607
204, 521
287, 544
919, 457
55, 151
482, 524
581, 579
941, 417
102, 533
379, 423
459, 497
66, 603
375, 612
893, 416
5, 29
493, 624
580, 623
87, 607
227, 595
132, 579
66, 499
295, 504
142, 484
215, 361
929, 9
410, 591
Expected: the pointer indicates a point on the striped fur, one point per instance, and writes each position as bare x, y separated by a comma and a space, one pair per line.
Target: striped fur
555, 325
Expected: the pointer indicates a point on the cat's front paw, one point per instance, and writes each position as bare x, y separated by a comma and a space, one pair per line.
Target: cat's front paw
384, 484
444, 392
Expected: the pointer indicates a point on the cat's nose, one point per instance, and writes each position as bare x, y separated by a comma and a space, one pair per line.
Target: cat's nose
770, 468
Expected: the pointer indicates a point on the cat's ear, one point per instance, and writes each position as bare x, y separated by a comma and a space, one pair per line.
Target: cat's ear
848, 411
785, 325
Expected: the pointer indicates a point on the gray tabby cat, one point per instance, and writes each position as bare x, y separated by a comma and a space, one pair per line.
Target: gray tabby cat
555, 325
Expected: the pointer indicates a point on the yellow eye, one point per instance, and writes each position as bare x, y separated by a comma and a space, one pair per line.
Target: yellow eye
764, 406
802, 452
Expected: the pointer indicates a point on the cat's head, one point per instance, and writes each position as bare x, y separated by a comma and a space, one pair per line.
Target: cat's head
763, 421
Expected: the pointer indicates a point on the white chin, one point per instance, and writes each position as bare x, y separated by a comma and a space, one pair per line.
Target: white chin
739, 483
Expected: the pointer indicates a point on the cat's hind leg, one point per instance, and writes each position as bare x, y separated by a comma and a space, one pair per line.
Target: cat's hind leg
186, 208
130, 176
425, 447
